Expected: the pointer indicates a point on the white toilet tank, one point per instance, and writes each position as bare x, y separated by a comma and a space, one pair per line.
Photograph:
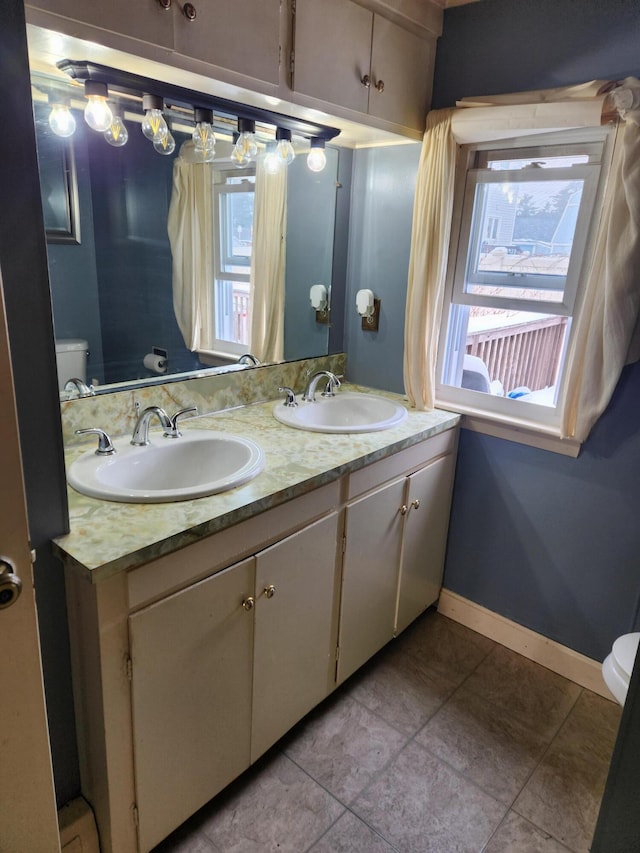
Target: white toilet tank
71, 355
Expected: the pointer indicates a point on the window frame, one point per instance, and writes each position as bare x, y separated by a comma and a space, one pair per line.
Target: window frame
514, 419
220, 237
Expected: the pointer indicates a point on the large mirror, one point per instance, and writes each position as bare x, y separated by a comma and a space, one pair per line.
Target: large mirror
111, 274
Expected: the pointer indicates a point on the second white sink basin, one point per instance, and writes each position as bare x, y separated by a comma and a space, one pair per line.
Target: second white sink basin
201, 462
348, 411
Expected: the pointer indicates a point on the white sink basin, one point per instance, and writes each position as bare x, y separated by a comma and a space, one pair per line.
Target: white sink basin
348, 411
201, 462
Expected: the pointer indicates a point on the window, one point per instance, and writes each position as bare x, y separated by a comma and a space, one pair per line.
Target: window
523, 219
233, 224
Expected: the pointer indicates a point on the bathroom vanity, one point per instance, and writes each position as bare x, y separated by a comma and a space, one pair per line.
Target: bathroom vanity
202, 631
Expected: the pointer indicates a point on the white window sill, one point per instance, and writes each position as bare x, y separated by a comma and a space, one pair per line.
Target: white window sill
544, 437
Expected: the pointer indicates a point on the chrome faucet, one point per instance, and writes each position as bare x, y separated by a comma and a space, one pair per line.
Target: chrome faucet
140, 436
173, 431
332, 383
248, 358
75, 384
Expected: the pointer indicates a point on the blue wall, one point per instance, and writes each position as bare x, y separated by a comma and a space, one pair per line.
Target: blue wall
383, 188
550, 542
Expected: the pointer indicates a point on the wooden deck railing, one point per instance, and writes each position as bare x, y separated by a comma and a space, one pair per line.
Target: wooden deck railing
527, 354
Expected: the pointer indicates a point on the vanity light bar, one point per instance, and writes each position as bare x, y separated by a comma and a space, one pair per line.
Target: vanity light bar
133, 84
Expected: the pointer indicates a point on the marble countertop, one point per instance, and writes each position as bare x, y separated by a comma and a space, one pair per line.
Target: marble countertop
108, 537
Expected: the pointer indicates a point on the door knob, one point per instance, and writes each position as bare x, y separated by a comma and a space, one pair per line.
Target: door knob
366, 81
270, 591
10, 584
248, 603
415, 504
379, 86
189, 11
166, 4
404, 509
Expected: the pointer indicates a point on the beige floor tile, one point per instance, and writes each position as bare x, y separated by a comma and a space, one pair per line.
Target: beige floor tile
279, 809
183, 841
343, 746
495, 751
564, 793
400, 688
445, 647
537, 697
350, 835
420, 805
517, 835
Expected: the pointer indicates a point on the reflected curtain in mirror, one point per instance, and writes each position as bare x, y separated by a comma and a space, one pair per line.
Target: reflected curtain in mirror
268, 264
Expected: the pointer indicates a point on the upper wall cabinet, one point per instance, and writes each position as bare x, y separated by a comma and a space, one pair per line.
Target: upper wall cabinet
351, 57
244, 40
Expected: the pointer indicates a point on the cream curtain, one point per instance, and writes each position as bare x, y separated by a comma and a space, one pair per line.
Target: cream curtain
268, 264
608, 330
428, 258
605, 336
190, 229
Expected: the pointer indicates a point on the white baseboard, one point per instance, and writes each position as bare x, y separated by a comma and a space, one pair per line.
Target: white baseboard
560, 659
78, 833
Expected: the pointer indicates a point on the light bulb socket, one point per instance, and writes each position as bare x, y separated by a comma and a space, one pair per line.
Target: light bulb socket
316, 142
94, 89
152, 102
246, 125
201, 114
283, 133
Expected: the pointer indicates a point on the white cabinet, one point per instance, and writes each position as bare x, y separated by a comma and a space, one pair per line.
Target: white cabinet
224, 668
351, 57
395, 539
241, 38
189, 667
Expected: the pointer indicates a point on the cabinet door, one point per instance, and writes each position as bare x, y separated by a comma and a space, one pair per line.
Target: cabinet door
373, 531
145, 20
295, 630
332, 51
403, 62
191, 697
239, 36
425, 539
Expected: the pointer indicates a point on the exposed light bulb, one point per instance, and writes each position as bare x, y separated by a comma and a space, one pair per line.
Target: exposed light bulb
61, 119
246, 147
284, 146
154, 126
204, 139
97, 112
316, 158
166, 145
117, 134
273, 162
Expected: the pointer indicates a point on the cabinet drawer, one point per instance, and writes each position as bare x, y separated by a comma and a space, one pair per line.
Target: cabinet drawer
401, 463
202, 558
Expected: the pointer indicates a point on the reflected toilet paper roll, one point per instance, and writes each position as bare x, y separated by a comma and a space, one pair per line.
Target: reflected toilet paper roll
156, 363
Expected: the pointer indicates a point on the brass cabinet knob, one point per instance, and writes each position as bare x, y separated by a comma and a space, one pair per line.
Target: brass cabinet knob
189, 11
366, 81
415, 504
166, 4
270, 591
404, 509
379, 86
248, 603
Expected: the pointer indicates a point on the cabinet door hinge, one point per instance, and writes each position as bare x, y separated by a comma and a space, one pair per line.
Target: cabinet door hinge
292, 66
344, 543
134, 814
128, 667
337, 653
335, 671
293, 7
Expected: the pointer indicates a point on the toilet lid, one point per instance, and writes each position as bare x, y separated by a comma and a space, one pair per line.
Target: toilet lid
625, 649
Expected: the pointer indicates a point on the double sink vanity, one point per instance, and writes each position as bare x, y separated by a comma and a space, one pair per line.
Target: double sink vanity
203, 629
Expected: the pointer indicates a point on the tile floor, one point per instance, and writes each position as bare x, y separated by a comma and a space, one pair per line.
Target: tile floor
445, 741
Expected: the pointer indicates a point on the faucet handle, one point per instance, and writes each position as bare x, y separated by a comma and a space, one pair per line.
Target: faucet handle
172, 431
333, 383
105, 445
290, 399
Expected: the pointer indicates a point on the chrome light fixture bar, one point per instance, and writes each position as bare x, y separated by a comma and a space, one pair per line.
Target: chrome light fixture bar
133, 84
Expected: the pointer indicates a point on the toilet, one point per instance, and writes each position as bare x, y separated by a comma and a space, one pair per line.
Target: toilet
617, 667
71, 355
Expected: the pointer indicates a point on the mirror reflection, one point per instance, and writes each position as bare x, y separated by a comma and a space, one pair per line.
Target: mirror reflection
112, 262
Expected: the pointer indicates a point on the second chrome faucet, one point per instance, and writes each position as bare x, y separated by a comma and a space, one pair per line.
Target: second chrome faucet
140, 436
